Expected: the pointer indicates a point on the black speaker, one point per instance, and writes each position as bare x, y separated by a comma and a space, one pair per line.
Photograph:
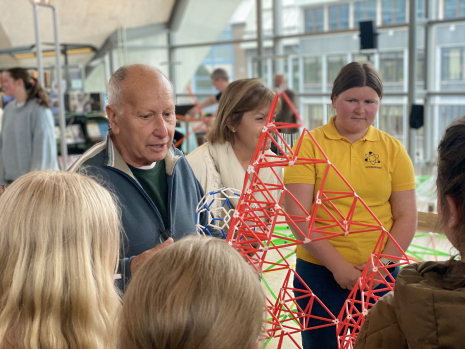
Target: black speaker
368, 35
416, 116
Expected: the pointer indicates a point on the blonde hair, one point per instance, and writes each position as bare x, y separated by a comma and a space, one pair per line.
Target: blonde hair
240, 96
59, 243
196, 293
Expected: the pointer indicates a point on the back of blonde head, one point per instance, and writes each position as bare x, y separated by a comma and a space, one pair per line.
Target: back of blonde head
196, 293
59, 243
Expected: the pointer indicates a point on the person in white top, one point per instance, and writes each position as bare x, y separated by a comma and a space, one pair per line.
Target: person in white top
223, 160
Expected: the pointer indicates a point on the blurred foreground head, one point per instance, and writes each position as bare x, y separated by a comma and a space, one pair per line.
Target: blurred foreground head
197, 293
451, 183
59, 244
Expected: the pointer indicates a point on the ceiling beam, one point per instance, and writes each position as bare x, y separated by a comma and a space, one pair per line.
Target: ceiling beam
179, 8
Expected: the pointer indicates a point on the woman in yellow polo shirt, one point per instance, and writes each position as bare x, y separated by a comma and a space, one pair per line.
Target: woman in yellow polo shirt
381, 173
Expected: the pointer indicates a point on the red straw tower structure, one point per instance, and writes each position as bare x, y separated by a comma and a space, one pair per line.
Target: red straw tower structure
252, 233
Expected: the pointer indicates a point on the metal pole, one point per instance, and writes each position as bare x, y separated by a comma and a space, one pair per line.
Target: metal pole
278, 31
428, 86
172, 59
40, 66
412, 74
61, 100
106, 67
259, 38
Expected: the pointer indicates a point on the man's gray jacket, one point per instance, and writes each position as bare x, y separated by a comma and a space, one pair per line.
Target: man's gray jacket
142, 222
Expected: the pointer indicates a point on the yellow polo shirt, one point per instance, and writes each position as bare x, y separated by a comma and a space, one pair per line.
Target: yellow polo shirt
375, 166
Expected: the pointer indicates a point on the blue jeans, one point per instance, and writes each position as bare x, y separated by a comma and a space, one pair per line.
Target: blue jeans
321, 281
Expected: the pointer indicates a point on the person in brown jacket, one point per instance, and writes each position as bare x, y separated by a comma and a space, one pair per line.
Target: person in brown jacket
427, 308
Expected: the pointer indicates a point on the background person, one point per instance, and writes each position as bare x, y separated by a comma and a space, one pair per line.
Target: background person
59, 244
426, 308
223, 160
209, 298
377, 167
153, 181
220, 79
28, 129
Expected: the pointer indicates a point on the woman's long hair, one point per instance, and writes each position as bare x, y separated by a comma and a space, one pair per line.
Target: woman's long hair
59, 242
197, 293
32, 86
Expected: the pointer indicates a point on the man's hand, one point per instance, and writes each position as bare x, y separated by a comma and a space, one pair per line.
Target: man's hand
137, 261
192, 112
346, 276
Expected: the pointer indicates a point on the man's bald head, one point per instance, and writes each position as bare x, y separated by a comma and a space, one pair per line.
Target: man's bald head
129, 75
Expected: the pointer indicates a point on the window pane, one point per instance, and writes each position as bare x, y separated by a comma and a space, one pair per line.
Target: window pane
335, 64
223, 52
451, 67
309, 21
371, 10
359, 13
333, 17
421, 65
312, 72
344, 16
391, 66
390, 120
295, 74
319, 19
313, 116
462, 8
387, 12
400, 11
420, 8
450, 8
363, 58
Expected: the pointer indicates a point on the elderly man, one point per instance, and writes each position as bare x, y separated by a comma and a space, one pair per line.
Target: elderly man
154, 183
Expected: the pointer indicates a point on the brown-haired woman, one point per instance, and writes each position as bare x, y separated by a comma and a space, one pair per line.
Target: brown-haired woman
426, 309
196, 293
242, 114
381, 173
28, 129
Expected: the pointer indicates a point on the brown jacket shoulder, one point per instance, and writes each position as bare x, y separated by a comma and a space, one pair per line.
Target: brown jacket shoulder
419, 314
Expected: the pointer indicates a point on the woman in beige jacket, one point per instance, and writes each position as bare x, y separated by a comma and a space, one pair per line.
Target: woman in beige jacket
427, 308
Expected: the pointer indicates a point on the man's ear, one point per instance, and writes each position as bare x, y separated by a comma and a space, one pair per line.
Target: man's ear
333, 99
454, 215
114, 117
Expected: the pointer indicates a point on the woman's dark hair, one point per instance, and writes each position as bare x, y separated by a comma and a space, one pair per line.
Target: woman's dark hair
356, 74
451, 182
32, 86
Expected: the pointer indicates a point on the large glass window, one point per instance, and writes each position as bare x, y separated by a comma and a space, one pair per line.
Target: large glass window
391, 120
313, 116
339, 17
453, 64
335, 64
363, 58
312, 72
454, 8
393, 11
314, 20
364, 11
218, 57
295, 74
391, 66
420, 8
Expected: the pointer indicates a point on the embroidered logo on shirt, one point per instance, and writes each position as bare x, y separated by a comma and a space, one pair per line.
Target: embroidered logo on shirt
372, 158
